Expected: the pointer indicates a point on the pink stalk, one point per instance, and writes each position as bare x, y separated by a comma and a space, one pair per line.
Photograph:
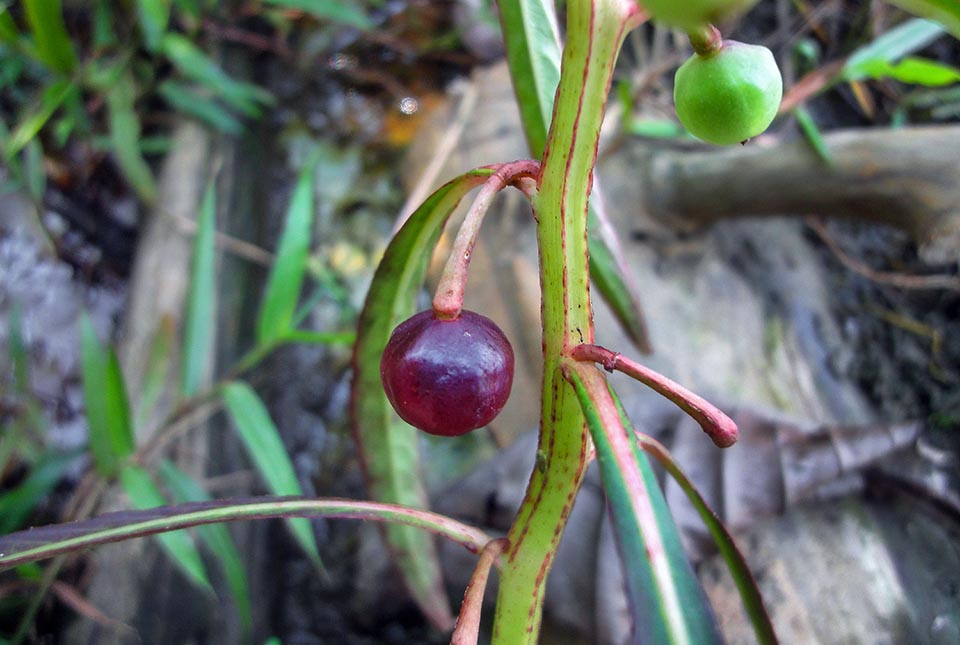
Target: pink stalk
718, 426
448, 300
467, 630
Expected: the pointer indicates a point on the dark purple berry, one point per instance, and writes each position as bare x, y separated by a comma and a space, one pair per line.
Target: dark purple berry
447, 377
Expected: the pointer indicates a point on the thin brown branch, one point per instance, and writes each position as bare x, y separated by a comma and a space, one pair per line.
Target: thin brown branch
900, 280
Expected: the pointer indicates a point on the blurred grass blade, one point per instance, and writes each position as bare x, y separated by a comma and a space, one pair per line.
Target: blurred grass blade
320, 337
178, 545
196, 65
187, 100
812, 133
892, 46
666, 600
198, 332
154, 16
108, 410
9, 33
265, 449
387, 447
742, 577
916, 71
286, 275
533, 55
946, 12
103, 31
125, 136
345, 13
56, 539
155, 376
217, 538
18, 503
51, 99
50, 36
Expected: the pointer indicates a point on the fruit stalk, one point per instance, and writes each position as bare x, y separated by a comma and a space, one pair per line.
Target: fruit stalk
448, 298
595, 31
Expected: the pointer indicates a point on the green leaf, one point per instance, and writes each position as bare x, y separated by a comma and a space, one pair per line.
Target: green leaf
56, 539
892, 46
918, 71
9, 33
742, 577
217, 538
388, 446
198, 332
533, 55
286, 276
265, 449
125, 136
108, 410
17, 504
345, 13
666, 598
51, 99
50, 36
103, 31
186, 99
812, 133
319, 337
195, 65
946, 12
178, 545
154, 16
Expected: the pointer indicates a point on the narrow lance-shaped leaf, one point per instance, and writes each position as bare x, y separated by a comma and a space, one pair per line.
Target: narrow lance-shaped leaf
946, 12
742, 577
125, 136
36, 117
178, 545
265, 449
533, 54
193, 103
286, 275
154, 15
387, 446
50, 34
892, 46
193, 63
198, 330
666, 599
108, 410
217, 538
56, 539
18, 503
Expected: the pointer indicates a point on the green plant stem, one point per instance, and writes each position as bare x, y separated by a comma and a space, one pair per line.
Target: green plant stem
595, 31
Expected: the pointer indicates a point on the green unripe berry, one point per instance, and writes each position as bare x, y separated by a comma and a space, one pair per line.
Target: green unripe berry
729, 95
693, 14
